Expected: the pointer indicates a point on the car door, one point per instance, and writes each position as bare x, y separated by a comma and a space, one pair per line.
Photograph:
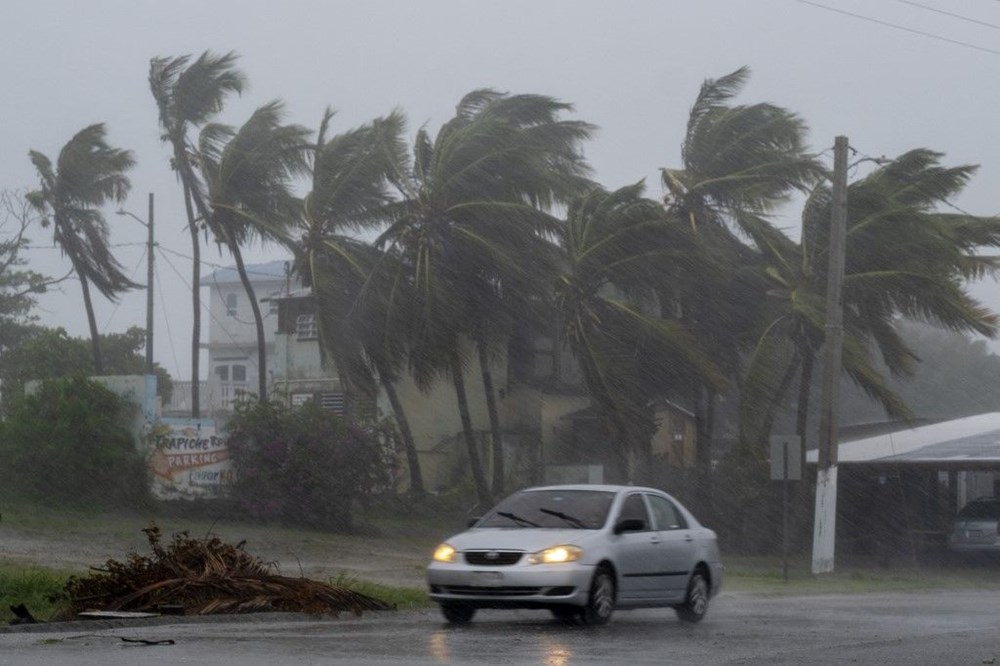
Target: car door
637, 552
677, 548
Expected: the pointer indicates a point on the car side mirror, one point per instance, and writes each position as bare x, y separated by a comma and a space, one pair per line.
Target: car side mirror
630, 525
472, 521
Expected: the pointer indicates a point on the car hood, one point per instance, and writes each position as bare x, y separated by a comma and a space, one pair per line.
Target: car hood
528, 539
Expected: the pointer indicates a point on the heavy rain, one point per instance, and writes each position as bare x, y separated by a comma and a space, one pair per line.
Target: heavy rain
293, 295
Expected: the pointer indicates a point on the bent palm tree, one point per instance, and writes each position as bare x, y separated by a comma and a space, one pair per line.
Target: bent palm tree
904, 259
473, 205
87, 174
188, 96
616, 249
247, 175
739, 163
359, 310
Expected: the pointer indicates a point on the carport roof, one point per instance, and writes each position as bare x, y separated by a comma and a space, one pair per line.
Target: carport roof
969, 441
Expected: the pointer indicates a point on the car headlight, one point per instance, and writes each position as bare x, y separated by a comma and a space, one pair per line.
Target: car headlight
556, 555
445, 553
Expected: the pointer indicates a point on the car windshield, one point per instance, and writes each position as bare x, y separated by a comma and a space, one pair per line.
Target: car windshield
580, 509
988, 510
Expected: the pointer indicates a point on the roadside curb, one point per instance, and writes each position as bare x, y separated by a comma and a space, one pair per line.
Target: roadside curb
164, 620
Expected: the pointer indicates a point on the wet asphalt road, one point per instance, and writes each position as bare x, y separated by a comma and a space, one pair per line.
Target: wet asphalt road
899, 628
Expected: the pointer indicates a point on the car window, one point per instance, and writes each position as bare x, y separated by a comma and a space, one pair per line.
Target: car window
635, 508
580, 509
665, 514
989, 510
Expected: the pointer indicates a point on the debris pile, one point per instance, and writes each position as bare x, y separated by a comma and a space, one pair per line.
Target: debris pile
202, 577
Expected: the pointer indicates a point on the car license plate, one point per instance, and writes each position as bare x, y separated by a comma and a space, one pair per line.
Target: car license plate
487, 578
973, 533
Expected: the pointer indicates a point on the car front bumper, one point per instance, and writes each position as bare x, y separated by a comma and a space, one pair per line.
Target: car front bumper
518, 586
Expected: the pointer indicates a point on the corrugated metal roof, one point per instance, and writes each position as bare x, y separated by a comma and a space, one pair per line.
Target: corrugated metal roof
973, 440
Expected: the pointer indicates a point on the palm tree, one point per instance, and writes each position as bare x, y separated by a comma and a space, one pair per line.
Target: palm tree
87, 174
247, 174
739, 163
904, 259
617, 249
356, 305
188, 96
473, 204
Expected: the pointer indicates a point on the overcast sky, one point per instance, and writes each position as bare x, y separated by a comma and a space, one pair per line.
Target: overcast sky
631, 67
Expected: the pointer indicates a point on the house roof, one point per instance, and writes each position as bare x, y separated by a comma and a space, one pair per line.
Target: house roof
266, 272
967, 442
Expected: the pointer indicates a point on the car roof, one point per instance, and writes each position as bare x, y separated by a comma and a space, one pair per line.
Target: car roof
601, 487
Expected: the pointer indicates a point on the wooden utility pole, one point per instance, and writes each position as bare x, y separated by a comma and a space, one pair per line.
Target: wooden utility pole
825, 519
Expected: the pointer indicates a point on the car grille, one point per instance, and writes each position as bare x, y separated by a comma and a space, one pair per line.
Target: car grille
493, 558
509, 591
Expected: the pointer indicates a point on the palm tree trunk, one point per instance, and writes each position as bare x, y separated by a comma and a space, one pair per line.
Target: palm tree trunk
409, 445
196, 305
703, 450
258, 321
95, 343
495, 432
755, 444
476, 465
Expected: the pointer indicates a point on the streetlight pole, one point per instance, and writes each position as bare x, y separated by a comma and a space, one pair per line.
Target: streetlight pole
149, 280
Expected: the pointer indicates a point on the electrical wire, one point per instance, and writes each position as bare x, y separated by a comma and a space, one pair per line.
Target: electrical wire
895, 26
208, 310
960, 17
166, 320
118, 303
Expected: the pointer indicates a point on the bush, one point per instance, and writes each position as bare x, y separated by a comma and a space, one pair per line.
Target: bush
69, 444
305, 466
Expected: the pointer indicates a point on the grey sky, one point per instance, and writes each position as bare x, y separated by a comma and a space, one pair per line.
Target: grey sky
631, 67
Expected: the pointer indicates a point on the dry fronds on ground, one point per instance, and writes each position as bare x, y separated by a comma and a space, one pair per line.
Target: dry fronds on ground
205, 576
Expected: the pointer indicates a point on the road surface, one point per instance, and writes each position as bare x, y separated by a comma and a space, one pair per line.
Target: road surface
898, 628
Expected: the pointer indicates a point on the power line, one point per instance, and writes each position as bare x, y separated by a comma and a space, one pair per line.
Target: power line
222, 266
882, 160
166, 319
118, 303
895, 26
951, 14
211, 315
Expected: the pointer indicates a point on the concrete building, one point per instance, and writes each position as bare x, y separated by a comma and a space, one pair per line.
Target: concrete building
547, 435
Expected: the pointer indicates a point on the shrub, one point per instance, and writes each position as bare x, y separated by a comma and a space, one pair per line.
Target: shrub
69, 443
305, 465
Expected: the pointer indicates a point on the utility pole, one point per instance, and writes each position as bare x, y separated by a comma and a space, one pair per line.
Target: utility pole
149, 289
825, 517
150, 402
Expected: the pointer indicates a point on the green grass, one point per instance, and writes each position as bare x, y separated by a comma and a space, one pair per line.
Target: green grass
403, 598
35, 587
765, 576
399, 525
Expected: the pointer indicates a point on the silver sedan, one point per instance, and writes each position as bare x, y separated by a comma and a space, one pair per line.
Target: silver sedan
580, 551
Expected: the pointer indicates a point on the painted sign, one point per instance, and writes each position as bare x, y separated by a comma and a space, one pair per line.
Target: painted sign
189, 462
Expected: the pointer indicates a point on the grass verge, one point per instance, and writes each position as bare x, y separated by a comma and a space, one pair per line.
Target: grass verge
765, 576
35, 587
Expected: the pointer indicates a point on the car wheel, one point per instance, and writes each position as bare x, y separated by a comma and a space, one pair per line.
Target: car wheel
696, 602
601, 602
458, 613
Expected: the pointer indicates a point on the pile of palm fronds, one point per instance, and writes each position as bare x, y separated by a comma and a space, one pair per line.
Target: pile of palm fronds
205, 576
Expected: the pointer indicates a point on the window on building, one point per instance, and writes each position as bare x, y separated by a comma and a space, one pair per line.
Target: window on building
305, 327
239, 373
222, 372
332, 401
231, 302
